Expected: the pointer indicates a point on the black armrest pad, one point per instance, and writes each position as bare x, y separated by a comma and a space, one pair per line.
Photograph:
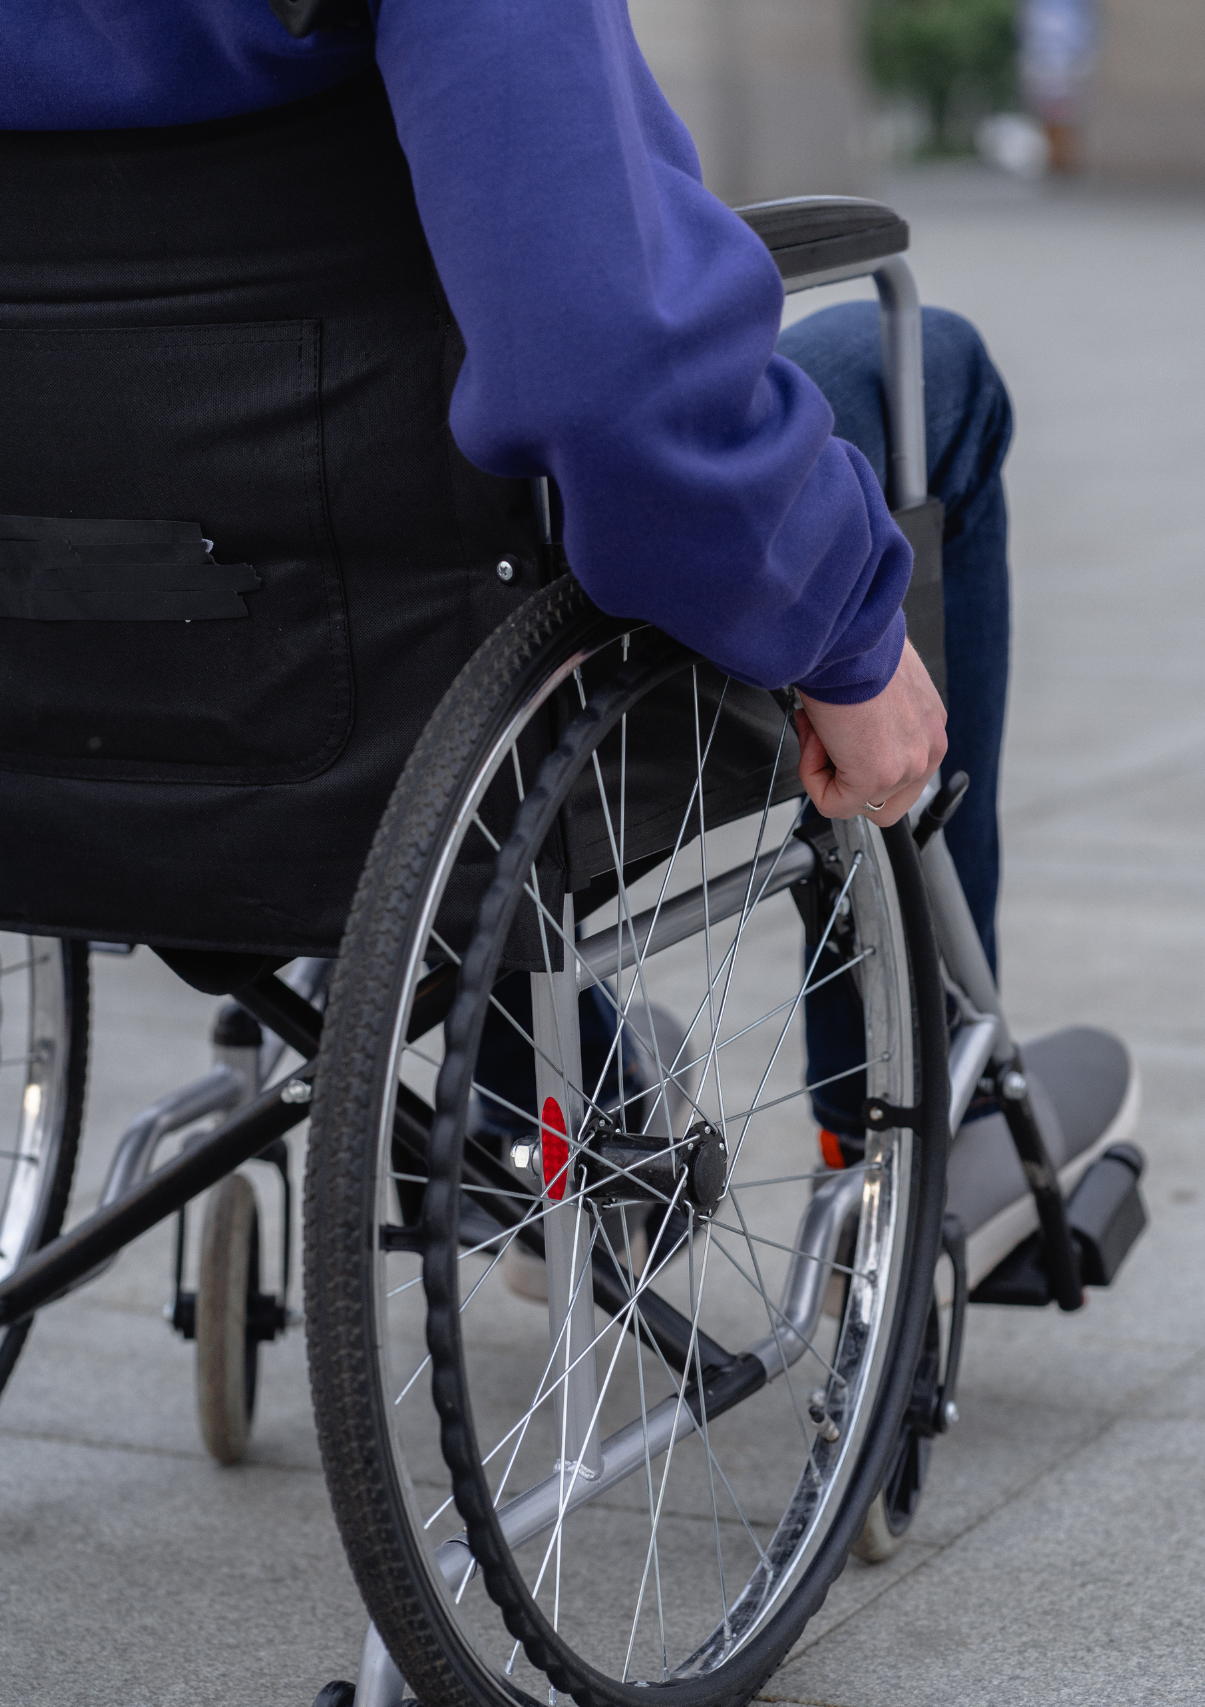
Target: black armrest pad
811, 234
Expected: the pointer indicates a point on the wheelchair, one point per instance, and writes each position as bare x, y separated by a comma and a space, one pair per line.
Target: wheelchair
610, 1372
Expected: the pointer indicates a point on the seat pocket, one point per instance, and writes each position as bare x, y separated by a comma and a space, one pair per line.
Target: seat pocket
171, 605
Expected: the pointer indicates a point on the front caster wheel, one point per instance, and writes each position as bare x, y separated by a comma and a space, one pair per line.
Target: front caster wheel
339, 1694
227, 1346
895, 1505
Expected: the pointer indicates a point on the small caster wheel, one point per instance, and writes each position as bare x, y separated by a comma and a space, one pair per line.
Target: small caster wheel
227, 1346
878, 1542
894, 1506
336, 1695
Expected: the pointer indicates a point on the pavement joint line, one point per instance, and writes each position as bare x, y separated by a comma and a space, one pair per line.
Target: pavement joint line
803, 1701
938, 1548
43, 1436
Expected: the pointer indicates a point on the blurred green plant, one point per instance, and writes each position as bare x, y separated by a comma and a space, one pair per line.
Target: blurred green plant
956, 58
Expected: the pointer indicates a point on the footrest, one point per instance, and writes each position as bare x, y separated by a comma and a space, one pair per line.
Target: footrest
1106, 1215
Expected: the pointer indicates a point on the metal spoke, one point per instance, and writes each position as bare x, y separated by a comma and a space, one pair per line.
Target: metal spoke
571, 948
567, 1493
541, 1398
672, 1377
746, 910
640, 955
771, 1312
815, 1173
771, 1013
782, 1317
790, 1250
646, 1279
803, 991
488, 1190
730, 953
806, 1090
24, 965
530, 1041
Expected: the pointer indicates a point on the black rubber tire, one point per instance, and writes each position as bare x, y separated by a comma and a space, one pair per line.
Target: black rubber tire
337, 1694
353, 1431
387, 1566
77, 987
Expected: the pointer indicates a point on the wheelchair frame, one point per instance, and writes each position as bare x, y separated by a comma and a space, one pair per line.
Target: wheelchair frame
815, 242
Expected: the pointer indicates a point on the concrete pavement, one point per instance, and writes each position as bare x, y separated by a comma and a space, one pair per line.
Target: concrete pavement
1059, 1555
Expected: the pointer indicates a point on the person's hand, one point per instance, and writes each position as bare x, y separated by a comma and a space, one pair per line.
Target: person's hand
877, 754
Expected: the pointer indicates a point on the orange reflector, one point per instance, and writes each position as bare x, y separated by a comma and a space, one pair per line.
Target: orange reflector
554, 1147
830, 1148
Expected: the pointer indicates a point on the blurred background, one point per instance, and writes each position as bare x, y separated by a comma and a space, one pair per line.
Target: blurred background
787, 95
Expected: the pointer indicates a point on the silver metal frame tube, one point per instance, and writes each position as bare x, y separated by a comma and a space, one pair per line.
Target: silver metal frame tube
566, 1227
833, 1203
378, 1682
684, 916
903, 382
959, 941
970, 1052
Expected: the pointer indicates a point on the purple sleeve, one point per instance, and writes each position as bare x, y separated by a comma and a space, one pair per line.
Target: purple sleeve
620, 326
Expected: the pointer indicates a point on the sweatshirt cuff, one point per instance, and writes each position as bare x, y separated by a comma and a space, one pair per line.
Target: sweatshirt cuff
852, 681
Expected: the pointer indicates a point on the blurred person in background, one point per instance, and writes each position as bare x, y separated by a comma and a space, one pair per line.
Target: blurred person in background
1058, 43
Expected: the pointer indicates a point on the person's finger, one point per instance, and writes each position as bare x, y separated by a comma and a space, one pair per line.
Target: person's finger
815, 769
837, 797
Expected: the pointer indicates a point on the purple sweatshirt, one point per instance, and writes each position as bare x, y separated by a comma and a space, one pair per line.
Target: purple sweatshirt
619, 320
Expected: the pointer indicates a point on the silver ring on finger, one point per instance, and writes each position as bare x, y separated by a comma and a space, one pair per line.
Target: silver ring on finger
871, 806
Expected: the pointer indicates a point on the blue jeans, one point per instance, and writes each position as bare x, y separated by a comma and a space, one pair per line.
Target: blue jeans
969, 425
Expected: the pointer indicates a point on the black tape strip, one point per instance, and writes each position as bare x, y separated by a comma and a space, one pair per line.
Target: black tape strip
58, 569
924, 602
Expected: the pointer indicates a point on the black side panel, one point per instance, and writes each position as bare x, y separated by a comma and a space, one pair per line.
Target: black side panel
219, 424
235, 325
924, 610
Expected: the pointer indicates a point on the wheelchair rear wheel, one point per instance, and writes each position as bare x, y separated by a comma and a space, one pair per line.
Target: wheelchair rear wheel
43, 1068
652, 1482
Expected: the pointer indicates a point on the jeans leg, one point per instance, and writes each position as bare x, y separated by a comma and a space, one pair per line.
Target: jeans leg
968, 427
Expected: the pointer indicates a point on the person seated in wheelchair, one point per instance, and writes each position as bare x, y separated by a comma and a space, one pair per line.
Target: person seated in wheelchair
338, 332
349, 374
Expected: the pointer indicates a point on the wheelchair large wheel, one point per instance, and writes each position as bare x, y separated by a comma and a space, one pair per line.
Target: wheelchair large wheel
652, 1482
43, 1068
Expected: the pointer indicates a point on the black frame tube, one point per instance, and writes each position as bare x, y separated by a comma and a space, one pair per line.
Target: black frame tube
44, 1274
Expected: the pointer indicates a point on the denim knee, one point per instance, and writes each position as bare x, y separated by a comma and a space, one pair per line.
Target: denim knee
968, 414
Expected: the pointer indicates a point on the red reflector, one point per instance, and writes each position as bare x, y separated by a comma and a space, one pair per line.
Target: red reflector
830, 1148
554, 1147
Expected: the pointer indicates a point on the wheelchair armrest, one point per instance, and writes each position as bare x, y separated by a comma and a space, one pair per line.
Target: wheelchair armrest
839, 236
